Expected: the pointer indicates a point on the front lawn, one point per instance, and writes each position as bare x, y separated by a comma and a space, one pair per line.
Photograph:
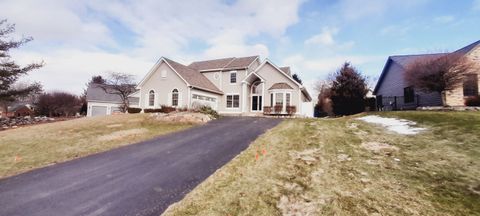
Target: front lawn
37, 146
348, 167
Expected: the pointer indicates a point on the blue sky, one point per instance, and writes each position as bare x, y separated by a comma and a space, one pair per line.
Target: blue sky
78, 39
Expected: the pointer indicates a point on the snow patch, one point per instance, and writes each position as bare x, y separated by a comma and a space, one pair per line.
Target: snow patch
400, 126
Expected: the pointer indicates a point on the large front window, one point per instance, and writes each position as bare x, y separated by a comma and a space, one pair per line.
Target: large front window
233, 101
278, 99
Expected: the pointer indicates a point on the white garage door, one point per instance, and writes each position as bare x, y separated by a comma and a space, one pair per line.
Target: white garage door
99, 110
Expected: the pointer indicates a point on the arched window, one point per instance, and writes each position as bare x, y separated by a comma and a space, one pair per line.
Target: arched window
175, 97
257, 88
151, 98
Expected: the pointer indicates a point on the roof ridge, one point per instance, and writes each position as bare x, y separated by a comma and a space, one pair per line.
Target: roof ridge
411, 55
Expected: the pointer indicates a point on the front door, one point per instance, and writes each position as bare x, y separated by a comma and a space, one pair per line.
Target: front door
256, 103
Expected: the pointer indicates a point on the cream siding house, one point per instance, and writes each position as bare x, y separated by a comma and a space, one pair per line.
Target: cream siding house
237, 86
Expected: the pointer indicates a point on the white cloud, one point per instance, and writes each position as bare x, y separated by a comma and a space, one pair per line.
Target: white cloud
312, 69
326, 38
444, 19
76, 38
70, 69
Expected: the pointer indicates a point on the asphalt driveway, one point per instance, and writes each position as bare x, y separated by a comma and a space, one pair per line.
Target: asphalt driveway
140, 179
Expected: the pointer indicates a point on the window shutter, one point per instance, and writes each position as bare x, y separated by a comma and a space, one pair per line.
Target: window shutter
169, 99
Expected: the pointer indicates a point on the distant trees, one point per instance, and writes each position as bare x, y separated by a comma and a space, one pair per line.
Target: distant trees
10, 71
297, 78
120, 84
439, 74
344, 93
57, 103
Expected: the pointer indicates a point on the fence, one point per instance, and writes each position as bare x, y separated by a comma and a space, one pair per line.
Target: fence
396, 103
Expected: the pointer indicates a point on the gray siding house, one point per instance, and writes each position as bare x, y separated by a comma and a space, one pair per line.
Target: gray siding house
100, 103
237, 86
393, 93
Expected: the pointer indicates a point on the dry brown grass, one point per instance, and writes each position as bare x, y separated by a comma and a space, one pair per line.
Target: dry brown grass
348, 167
36, 146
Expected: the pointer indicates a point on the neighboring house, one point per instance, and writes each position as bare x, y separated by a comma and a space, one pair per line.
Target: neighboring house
100, 103
238, 86
394, 93
18, 110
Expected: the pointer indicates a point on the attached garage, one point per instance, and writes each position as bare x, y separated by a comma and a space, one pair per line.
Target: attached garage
99, 110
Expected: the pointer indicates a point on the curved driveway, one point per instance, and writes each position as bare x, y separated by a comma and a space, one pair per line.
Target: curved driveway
139, 179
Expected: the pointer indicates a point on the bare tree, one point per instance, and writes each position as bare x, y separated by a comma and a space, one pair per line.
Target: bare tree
120, 84
439, 74
324, 103
58, 104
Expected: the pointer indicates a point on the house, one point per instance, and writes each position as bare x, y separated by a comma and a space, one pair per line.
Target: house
394, 93
18, 110
100, 103
236, 86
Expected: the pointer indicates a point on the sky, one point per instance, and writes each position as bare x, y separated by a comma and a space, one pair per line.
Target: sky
79, 39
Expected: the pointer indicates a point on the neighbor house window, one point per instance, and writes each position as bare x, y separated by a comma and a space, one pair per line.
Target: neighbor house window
233, 77
408, 95
470, 85
175, 97
151, 98
233, 101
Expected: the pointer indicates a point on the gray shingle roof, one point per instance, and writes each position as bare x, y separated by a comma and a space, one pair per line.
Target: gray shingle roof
405, 60
96, 93
193, 77
465, 50
280, 86
286, 70
223, 64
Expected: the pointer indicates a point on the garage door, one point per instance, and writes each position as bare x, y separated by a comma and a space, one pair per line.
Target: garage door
99, 110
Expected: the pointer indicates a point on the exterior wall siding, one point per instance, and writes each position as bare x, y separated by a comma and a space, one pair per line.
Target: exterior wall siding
272, 76
394, 83
163, 88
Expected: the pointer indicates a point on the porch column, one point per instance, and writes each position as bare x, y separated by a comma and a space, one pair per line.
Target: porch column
244, 96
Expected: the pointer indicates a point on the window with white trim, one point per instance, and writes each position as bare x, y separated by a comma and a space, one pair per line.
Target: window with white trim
278, 99
163, 74
233, 77
151, 98
233, 101
175, 97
